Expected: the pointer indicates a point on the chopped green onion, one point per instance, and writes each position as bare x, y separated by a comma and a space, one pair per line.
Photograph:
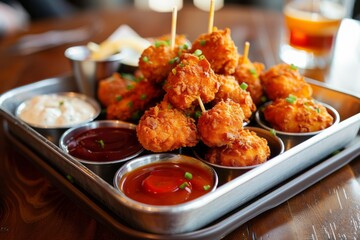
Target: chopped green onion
130, 104
253, 72
202, 42
243, 86
174, 60
143, 96
197, 114
184, 185
293, 67
307, 107
145, 59
207, 187
173, 71
129, 87
273, 132
139, 79
128, 76
197, 52
61, 103
183, 47
188, 176
291, 99
317, 110
201, 57
161, 43
101, 142
118, 98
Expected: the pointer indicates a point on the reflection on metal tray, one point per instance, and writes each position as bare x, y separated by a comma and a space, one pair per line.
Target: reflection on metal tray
194, 215
215, 230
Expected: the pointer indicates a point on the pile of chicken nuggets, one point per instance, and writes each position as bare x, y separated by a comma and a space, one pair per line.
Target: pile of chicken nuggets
206, 91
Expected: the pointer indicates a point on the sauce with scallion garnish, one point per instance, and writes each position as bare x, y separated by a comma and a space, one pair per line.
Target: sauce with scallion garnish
53, 110
167, 183
104, 144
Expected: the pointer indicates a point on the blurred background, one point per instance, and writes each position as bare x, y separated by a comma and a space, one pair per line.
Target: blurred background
16, 14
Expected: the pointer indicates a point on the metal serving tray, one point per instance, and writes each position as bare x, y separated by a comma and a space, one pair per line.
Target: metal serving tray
192, 220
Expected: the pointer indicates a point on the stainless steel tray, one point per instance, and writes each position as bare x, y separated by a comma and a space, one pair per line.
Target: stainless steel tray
188, 220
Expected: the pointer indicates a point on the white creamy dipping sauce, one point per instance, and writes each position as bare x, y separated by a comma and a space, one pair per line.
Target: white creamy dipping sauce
54, 110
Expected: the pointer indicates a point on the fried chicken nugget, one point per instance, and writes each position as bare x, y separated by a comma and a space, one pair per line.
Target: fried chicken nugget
247, 150
130, 107
249, 73
219, 49
164, 128
230, 89
190, 79
111, 89
281, 80
157, 60
297, 115
221, 124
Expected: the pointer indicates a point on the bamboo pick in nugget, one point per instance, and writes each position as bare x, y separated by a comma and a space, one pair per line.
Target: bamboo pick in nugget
211, 16
201, 104
173, 27
246, 52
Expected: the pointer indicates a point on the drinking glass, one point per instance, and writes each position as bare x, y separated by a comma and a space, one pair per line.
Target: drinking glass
309, 33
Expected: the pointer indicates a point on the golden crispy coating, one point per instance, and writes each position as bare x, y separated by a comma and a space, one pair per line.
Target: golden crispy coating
297, 115
221, 124
249, 73
230, 89
219, 49
157, 60
163, 128
281, 80
112, 88
247, 150
130, 107
190, 79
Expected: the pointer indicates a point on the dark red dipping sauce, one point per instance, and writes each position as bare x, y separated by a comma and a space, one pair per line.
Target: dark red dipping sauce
104, 144
166, 183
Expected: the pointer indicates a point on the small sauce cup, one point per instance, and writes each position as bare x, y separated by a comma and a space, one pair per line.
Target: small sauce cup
52, 114
164, 179
102, 146
291, 139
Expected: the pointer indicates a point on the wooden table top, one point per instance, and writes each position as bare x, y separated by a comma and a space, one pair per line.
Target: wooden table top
32, 207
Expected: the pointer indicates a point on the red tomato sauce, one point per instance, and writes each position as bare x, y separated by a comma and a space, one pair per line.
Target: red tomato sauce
104, 144
166, 183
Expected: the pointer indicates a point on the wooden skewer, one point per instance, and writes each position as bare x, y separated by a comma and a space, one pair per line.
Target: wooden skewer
211, 16
201, 104
173, 27
246, 52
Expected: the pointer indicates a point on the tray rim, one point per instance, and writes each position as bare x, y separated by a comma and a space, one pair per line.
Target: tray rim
223, 190
220, 228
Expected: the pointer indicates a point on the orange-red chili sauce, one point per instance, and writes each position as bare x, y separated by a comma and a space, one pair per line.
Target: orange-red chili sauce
167, 183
